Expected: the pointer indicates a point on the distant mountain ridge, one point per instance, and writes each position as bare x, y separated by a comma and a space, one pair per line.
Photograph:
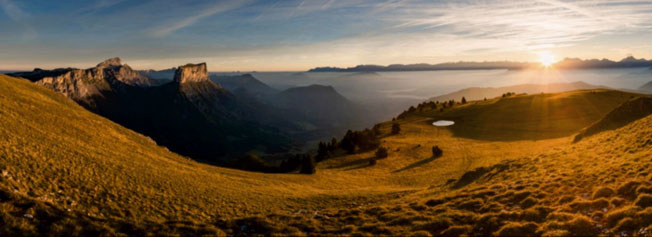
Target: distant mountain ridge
245, 83
567, 63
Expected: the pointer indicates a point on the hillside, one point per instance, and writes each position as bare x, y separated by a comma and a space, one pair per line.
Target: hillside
118, 181
190, 115
627, 112
245, 83
479, 93
531, 117
647, 87
322, 104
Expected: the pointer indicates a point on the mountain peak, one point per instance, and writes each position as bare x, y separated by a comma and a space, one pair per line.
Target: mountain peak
191, 73
111, 62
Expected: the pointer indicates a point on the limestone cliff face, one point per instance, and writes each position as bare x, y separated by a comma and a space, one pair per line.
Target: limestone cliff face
191, 73
77, 84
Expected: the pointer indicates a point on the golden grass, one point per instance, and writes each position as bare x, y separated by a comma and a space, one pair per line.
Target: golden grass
531, 117
75, 172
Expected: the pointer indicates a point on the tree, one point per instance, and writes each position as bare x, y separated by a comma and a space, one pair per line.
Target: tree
437, 152
322, 151
381, 153
347, 142
396, 128
333, 145
463, 100
308, 164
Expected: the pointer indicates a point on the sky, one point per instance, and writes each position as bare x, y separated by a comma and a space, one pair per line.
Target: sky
288, 35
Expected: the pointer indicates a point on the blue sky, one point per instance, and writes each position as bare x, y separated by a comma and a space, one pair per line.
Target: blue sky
297, 35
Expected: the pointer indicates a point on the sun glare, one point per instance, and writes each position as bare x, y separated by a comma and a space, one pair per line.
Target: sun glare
546, 58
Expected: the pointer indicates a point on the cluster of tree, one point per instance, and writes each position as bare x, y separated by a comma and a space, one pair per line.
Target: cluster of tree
508, 94
326, 149
356, 141
431, 105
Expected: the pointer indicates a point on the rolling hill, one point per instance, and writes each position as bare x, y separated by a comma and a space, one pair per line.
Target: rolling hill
120, 182
627, 112
323, 105
538, 116
245, 83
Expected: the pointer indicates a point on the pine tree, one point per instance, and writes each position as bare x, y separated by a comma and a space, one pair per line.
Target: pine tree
463, 100
308, 165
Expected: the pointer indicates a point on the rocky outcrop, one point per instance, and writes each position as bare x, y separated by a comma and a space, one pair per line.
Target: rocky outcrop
191, 73
110, 71
77, 84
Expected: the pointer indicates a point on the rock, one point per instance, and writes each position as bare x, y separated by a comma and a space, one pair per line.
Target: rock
191, 73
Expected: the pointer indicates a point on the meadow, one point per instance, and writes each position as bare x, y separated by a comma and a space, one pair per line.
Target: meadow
68, 171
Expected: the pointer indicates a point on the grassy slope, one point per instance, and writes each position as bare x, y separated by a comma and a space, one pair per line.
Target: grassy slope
538, 116
62, 157
52, 149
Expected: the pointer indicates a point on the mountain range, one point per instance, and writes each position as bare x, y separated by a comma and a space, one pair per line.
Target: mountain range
480, 93
567, 63
209, 118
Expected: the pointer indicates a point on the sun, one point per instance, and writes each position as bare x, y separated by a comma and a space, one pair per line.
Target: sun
546, 58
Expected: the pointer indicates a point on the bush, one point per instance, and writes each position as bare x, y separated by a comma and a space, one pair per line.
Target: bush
381, 153
644, 200
396, 128
437, 152
603, 192
518, 229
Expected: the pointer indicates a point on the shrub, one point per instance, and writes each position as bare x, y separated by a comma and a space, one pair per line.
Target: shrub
518, 229
437, 152
463, 100
628, 190
603, 192
583, 226
373, 162
396, 128
381, 153
456, 230
644, 200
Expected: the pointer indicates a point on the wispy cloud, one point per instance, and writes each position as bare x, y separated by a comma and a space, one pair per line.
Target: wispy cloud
18, 15
196, 16
15, 13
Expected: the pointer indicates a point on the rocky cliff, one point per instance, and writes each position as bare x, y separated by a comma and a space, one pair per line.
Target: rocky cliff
191, 73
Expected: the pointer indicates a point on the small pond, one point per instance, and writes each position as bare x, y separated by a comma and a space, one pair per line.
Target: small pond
443, 123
